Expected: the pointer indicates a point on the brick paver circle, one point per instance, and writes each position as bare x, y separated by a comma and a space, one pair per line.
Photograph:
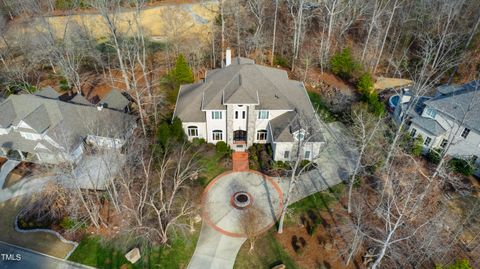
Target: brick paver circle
231, 198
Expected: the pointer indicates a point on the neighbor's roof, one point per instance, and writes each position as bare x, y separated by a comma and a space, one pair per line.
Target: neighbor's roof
429, 125
64, 122
462, 104
48, 92
115, 100
79, 99
387, 83
242, 82
7, 114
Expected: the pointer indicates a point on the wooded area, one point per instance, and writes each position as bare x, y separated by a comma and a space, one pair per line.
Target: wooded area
397, 202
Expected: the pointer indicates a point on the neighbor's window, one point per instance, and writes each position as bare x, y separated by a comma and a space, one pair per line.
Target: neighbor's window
444, 143
286, 154
427, 141
465, 132
263, 114
217, 115
192, 131
307, 154
413, 132
262, 135
217, 135
431, 113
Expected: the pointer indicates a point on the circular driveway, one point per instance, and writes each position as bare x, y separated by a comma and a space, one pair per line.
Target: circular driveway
241, 204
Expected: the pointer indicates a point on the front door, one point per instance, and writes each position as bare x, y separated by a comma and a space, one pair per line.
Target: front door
239, 137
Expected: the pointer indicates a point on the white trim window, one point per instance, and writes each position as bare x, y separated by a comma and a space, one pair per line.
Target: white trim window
465, 132
216, 115
236, 115
286, 154
192, 131
262, 135
307, 154
263, 114
217, 135
431, 113
427, 141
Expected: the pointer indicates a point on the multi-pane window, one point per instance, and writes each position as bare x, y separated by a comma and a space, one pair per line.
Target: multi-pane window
431, 113
413, 132
444, 143
286, 154
263, 114
307, 154
192, 131
465, 132
427, 141
217, 115
217, 135
262, 135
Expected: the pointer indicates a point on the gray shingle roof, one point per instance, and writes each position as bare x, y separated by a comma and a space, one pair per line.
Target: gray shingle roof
68, 123
461, 103
429, 125
281, 127
242, 82
115, 100
48, 92
38, 119
79, 99
7, 113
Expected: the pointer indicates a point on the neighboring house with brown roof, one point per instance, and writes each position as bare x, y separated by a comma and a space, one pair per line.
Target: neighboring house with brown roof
452, 115
245, 103
41, 128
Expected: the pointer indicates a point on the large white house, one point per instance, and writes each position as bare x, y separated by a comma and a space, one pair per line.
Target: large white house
245, 103
452, 115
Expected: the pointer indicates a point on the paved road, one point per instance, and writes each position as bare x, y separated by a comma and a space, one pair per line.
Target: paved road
6, 168
28, 259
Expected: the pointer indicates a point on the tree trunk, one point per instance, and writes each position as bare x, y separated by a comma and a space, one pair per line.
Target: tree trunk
385, 37
272, 57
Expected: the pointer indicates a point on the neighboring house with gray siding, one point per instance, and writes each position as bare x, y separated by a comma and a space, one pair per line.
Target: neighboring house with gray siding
245, 103
452, 115
43, 129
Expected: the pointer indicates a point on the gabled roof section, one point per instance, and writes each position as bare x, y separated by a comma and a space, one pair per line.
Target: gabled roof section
189, 104
79, 99
281, 127
38, 119
429, 125
461, 104
115, 100
48, 92
7, 114
237, 93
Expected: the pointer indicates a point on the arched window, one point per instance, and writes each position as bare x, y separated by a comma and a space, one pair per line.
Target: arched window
262, 135
192, 131
217, 135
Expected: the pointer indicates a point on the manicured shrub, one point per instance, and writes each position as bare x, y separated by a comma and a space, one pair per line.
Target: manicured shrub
433, 156
170, 132
461, 166
198, 141
343, 65
222, 148
417, 146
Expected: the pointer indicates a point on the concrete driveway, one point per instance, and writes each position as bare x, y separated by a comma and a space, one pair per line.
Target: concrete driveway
6, 168
14, 257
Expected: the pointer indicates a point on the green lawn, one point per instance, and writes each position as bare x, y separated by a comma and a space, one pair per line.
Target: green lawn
91, 252
212, 167
267, 253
